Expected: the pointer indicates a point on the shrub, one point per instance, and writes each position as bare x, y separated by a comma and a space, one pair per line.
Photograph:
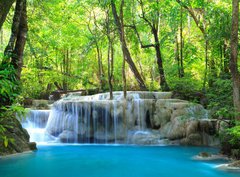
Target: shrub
230, 140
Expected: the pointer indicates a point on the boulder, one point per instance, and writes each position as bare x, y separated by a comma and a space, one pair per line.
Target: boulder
175, 129
144, 138
19, 136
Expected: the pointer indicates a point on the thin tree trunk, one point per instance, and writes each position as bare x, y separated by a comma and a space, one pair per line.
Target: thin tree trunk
234, 57
110, 69
110, 56
163, 82
99, 55
154, 25
206, 66
141, 69
64, 83
124, 79
202, 28
126, 53
124, 59
225, 57
100, 67
181, 44
177, 55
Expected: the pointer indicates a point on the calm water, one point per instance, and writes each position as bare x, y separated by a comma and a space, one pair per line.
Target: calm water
111, 161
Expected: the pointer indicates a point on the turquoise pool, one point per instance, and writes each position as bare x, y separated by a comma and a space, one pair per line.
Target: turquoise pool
111, 161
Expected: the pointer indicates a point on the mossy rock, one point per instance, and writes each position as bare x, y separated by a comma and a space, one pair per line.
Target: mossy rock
19, 137
204, 154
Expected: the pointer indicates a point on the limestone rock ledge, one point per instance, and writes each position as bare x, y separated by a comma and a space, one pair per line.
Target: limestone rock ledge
21, 140
143, 118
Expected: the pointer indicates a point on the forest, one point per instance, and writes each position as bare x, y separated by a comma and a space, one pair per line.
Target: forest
188, 47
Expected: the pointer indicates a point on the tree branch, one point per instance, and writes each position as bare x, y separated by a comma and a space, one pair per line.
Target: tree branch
191, 12
139, 39
143, 16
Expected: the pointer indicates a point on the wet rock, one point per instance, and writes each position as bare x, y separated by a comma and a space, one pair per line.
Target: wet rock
67, 136
193, 139
208, 156
204, 154
20, 137
234, 166
144, 138
32, 146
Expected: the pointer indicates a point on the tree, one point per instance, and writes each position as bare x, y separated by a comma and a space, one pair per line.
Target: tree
94, 32
110, 55
126, 53
13, 54
234, 57
14, 50
201, 24
153, 23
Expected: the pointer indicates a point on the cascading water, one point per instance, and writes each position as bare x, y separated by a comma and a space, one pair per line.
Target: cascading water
35, 124
97, 119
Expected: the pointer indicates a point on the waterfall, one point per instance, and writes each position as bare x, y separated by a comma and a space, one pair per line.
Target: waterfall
97, 119
35, 124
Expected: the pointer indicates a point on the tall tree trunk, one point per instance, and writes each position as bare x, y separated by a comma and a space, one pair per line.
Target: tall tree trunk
126, 53
154, 25
234, 57
202, 26
110, 68
124, 79
100, 66
176, 51
14, 32
5, 6
225, 57
17, 59
181, 44
110, 56
163, 82
65, 70
124, 59
206, 66
14, 50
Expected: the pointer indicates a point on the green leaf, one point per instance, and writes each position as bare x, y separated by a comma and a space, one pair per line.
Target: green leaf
5, 141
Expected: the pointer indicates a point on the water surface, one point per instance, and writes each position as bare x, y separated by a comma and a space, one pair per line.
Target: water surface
111, 161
